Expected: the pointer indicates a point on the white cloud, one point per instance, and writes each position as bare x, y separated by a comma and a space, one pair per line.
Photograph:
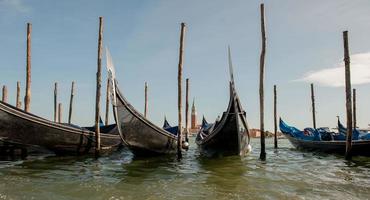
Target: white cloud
334, 77
17, 5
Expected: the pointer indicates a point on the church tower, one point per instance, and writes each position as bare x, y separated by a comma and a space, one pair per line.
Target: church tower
193, 116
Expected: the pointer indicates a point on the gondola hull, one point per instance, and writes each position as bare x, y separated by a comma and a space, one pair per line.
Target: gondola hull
229, 135
359, 147
25, 130
226, 141
141, 136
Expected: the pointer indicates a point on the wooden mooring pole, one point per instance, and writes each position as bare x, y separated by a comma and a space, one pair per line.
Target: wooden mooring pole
313, 107
18, 99
107, 102
60, 113
261, 89
98, 89
5, 94
187, 112
179, 84
275, 119
348, 96
27, 98
71, 102
354, 109
146, 100
55, 101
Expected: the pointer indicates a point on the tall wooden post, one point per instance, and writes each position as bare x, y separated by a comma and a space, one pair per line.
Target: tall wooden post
146, 100
261, 89
60, 113
348, 95
71, 102
18, 99
354, 109
275, 119
107, 102
98, 88
187, 112
5, 94
27, 98
179, 84
313, 107
55, 101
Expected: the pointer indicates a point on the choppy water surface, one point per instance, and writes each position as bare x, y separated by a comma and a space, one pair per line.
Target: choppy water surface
287, 174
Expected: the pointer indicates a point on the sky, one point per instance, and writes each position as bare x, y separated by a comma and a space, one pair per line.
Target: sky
304, 45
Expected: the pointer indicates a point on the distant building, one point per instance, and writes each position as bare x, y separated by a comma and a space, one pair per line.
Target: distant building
193, 116
254, 133
194, 126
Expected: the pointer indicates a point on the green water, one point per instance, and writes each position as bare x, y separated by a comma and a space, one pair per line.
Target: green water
287, 174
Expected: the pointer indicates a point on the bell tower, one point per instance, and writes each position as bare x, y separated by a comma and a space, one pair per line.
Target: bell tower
193, 116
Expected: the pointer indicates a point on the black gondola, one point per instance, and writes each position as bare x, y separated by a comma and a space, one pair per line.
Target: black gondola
230, 134
139, 134
20, 129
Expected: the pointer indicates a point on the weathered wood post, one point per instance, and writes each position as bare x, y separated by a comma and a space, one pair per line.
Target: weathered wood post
261, 89
60, 113
313, 107
107, 102
71, 102
27, 98
187, 112
98, 88
55, 101
146, 100
18, 99
5, 94
354, 109
275, 119
179, 84
348, 96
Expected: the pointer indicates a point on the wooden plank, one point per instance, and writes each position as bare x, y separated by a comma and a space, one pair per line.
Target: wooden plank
187, 112
107, 102
261, 85
27, 98
60, 113
55, 101
98, 89
146, 100
354, 109
179, 84
5, 94
275, 119
348, 96
71, 102
313, 107
18, 99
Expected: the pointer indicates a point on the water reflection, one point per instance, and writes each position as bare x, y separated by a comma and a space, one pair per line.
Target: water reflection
286, 174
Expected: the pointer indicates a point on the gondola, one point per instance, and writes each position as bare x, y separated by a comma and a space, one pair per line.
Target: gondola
303, 140
230, 134
167, 127
204, 123
23, 130
356, 134
139, 134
